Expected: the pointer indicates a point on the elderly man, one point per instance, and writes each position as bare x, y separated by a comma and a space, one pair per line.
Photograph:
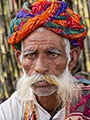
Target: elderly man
47, 37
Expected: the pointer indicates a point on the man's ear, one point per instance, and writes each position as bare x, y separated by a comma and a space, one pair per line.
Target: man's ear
18, 56
74, 53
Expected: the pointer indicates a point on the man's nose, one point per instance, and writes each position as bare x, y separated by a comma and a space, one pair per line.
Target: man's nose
41, 65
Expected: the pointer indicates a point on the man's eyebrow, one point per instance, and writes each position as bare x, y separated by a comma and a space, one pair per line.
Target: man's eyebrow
54, 50
29, 52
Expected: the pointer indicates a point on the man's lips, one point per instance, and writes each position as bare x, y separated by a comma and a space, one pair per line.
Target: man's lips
42, 83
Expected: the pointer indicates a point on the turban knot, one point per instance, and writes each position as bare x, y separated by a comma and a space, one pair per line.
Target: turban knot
55, 16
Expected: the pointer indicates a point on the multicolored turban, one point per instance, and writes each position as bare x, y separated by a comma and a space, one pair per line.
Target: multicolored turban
55, 16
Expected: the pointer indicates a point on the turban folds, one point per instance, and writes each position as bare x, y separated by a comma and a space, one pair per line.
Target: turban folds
55, 16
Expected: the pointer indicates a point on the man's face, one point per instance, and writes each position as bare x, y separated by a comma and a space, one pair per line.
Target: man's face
44, 53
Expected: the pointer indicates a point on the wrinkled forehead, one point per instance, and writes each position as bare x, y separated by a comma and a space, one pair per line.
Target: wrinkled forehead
43, 37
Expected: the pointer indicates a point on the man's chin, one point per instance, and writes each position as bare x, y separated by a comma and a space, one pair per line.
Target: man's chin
44, 90
43, 93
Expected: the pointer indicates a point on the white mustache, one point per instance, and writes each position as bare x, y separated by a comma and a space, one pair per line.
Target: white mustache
37, 77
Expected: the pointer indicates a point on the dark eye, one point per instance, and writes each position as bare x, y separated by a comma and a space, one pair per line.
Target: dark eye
53, 55
31, 55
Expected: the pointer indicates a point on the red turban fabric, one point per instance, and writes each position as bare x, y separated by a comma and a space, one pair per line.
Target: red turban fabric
55, 16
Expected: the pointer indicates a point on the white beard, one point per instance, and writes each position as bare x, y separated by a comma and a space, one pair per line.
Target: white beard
65, 83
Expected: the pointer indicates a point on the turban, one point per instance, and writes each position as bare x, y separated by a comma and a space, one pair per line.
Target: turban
52, 15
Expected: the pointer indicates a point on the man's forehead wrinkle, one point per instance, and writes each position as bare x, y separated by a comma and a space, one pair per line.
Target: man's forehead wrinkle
41, 37
46, 47
36, 42
43, 42
46, 39
33, 44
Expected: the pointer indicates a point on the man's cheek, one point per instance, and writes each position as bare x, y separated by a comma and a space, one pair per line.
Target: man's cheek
58, 69
27, 65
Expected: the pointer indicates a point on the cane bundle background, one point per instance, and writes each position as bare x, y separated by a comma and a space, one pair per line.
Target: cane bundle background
10, 71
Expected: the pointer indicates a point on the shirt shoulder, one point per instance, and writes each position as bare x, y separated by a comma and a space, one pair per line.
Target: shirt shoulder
11, 109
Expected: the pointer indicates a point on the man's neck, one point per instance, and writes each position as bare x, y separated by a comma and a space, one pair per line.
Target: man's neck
49, 103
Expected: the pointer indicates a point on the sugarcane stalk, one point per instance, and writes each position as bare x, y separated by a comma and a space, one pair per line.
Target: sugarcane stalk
19, 4
6, 67
2, 86
87, 21
82, 57
88, 4
75, 5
